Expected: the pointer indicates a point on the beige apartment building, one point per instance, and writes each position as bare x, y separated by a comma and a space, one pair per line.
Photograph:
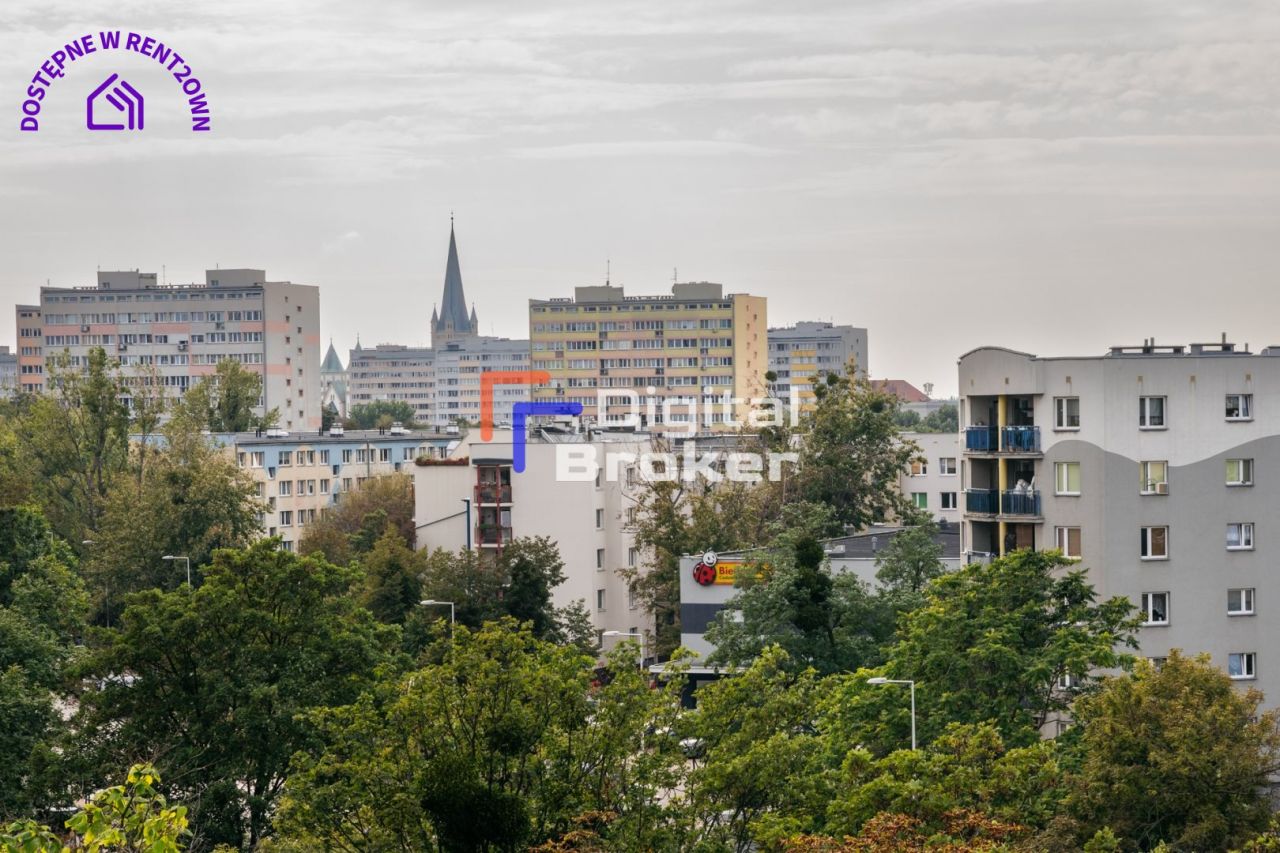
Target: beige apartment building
690, 348
182, 331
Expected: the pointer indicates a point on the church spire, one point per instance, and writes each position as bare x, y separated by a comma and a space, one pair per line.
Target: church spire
452, 320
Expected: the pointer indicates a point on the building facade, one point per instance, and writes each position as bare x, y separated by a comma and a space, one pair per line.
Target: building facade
30, 331
688, 350
299, 476
440, 382
180, 332
476, 499
801, 354
8, 372
933, 481
1151, 466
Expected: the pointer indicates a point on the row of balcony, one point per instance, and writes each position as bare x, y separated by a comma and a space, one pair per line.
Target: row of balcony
995, 502
1009, 439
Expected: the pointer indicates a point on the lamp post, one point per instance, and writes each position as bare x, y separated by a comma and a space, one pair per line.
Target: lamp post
882, 680
168, 558
429, 602
639, 636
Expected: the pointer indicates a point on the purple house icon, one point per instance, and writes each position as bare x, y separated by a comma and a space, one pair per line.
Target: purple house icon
119, 94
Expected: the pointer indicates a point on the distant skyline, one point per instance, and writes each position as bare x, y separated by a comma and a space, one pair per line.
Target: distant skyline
1054, 178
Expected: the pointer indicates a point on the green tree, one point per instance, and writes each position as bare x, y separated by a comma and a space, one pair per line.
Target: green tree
225, 401
533, 569
762, 777
831, 622
349, 530
467, 754
367, 415
852, 454
192, 501
129, 818
945, 418
392, 579
993, 642
906, 566
42, 618
76, 439
219, 680
1175, 754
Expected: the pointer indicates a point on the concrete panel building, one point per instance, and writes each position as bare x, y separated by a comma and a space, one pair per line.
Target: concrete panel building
694, 345
1157, 467
8, 372
182, 331
933, 484
477, 499
801, 354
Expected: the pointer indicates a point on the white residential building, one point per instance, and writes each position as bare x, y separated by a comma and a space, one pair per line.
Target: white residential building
933, 482
1157, 467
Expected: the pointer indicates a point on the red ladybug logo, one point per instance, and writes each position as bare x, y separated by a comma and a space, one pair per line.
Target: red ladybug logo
704, 574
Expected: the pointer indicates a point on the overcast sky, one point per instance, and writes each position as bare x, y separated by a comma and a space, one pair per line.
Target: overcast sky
1049, 176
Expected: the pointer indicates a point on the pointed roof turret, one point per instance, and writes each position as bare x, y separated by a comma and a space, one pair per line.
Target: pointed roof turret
332, 363
452, 320
475, 324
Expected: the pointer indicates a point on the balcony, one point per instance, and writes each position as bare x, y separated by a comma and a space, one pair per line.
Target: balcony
1020, 439
1020, 503
493, 494
492, 534
992, 502
981, 501
1010, 439
981, 439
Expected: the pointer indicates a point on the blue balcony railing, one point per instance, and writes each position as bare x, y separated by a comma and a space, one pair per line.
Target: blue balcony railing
1020, 503
981, 501
981, 439
1020, 439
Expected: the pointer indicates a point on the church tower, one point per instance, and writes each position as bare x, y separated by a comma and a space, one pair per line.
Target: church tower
451, 321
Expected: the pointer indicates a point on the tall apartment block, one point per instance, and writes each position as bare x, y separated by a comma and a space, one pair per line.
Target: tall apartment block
1157, 467
692, 346
30, 365
182, 331
440, 382
801, 354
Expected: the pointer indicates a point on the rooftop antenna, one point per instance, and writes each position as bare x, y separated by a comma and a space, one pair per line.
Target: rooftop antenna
606, 272
164, 274
675, 275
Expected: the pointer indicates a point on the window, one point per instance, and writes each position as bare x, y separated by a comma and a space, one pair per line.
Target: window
920, 499
947, 465
1155, 608
599, 519
1155, 543
1153, 478
286, 518
1066, 413
1240, 602
633, 556
1151, 412
631, 602
324, 487
286, 458
948, 500
1242, 664
324, 457
599, 599
1157, 663
255, 458
1067, 540
1239, 472
599, 558
1067, 478
1240, 536
1239, 407
286, 488
919, 468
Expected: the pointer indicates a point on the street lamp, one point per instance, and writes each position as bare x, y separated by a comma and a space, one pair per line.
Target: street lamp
168, 558
879, 679
640, 637
428, 602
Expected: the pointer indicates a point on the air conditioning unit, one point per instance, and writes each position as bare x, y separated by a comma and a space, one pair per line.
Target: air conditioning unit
1162, 488
122, 347
182, 346
84, 328
219, 325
